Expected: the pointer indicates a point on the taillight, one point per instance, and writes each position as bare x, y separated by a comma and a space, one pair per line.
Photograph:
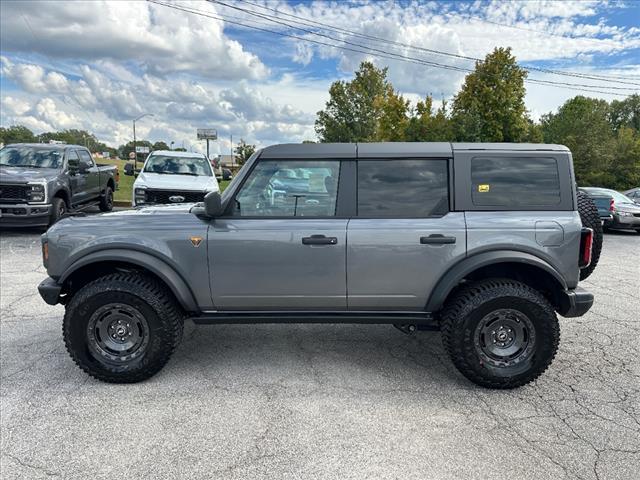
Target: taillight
612, 205
586, 247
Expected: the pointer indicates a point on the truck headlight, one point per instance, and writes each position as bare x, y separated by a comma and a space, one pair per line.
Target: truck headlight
625, 214
140, 195
38, 193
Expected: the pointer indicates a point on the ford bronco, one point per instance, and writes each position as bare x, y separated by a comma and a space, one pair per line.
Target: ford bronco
486, 242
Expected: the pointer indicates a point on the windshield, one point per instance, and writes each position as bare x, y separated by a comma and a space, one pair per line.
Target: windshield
166, 164
32, 157
617, 196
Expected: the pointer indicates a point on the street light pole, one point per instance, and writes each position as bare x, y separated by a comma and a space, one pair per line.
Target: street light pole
135, 152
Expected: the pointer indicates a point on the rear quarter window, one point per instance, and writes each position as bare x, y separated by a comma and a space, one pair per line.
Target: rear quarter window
515, 181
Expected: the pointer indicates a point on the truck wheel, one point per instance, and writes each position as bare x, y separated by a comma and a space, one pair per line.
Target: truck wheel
122, 328
58, 209
106, 201
500, 333
590, 219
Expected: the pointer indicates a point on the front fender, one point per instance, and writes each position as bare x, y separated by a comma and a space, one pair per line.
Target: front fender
463, 268
166, 273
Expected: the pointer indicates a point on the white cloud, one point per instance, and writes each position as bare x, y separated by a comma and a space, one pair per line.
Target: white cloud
158, 39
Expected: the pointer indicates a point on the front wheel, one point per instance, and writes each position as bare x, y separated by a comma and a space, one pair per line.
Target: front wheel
500, 333
122, 328
58, 210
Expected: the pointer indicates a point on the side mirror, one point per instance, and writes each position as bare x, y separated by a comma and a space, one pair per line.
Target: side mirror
213, 204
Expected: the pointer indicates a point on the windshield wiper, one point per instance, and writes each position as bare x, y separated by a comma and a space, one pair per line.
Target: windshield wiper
19, 166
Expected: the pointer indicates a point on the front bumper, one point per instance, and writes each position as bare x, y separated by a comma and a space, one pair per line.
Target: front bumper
575, 302
49, 290
24, 215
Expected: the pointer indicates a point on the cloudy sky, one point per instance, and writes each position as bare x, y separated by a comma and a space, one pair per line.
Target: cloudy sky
97, 65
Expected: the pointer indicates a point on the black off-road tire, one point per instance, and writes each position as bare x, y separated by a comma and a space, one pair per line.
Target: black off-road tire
590, 219
58, 209
157, 322
464, 317
106, 201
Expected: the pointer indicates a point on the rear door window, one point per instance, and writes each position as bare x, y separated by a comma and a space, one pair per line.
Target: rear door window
402, 188
515, 181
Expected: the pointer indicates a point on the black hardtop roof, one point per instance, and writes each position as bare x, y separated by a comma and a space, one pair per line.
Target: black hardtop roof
393, 149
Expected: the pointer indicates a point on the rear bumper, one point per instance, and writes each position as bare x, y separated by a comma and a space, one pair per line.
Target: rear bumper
50, 291
575, 303
24, 215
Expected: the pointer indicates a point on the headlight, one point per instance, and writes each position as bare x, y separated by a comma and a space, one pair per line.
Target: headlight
625, 214
140, 195
38, 193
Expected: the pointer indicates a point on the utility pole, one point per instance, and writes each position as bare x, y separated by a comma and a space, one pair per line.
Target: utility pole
233, 160
135, 152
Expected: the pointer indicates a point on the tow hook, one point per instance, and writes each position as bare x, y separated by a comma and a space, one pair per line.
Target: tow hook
406, 328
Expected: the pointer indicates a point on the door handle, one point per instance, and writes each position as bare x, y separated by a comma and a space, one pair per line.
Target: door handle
319, 240
437, 239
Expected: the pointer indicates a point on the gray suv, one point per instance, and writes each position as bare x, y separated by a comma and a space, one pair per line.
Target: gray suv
483, 241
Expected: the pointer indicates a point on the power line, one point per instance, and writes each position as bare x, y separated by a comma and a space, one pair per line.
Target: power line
325, 26
383, 54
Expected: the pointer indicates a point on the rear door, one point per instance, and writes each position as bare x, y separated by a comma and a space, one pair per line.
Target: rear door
91, 174
404, 236
280, 245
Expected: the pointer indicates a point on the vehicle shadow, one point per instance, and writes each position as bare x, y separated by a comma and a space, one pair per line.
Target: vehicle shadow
335, 356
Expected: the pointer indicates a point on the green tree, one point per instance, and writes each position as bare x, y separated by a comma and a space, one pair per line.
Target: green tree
625, 113
160, 146
490, 105
16, 134
243, 151
392, 111
424, 126
352, 112
626, 166
582, 124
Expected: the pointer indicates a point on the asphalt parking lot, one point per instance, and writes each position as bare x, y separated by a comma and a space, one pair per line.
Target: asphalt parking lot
319, 401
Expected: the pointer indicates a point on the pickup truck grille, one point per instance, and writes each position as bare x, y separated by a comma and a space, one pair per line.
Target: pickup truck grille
14, 193
163, 196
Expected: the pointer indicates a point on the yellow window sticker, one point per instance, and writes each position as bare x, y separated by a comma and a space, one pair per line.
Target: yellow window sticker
484, 188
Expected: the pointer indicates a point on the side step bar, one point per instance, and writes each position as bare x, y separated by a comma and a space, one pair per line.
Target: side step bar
288, 316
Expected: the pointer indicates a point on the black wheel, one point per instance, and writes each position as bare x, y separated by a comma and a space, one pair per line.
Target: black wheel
500, 333
122, 328
58, 209
590, 219
106, 201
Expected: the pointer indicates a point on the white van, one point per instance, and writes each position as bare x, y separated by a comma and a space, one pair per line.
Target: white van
174, 177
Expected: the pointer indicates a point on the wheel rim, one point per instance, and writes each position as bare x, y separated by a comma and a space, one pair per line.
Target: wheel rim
61, 209
505, 337
117, 333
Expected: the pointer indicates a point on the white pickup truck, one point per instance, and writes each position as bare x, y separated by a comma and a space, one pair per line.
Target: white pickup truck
174, 177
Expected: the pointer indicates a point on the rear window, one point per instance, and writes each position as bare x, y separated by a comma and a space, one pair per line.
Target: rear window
402, 188
515, 181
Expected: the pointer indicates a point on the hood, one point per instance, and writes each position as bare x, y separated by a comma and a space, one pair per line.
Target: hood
26, 174
194, 183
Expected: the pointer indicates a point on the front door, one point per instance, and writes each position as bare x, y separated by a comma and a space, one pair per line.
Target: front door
280, 246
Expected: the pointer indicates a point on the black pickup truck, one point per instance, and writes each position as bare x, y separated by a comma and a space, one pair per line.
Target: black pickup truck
39, 183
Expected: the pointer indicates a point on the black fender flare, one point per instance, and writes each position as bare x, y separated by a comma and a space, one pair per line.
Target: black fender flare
452, 278
155, 265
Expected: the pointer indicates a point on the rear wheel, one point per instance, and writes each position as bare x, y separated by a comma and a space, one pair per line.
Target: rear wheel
122, 328
500, 333
591, 219
106, 202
